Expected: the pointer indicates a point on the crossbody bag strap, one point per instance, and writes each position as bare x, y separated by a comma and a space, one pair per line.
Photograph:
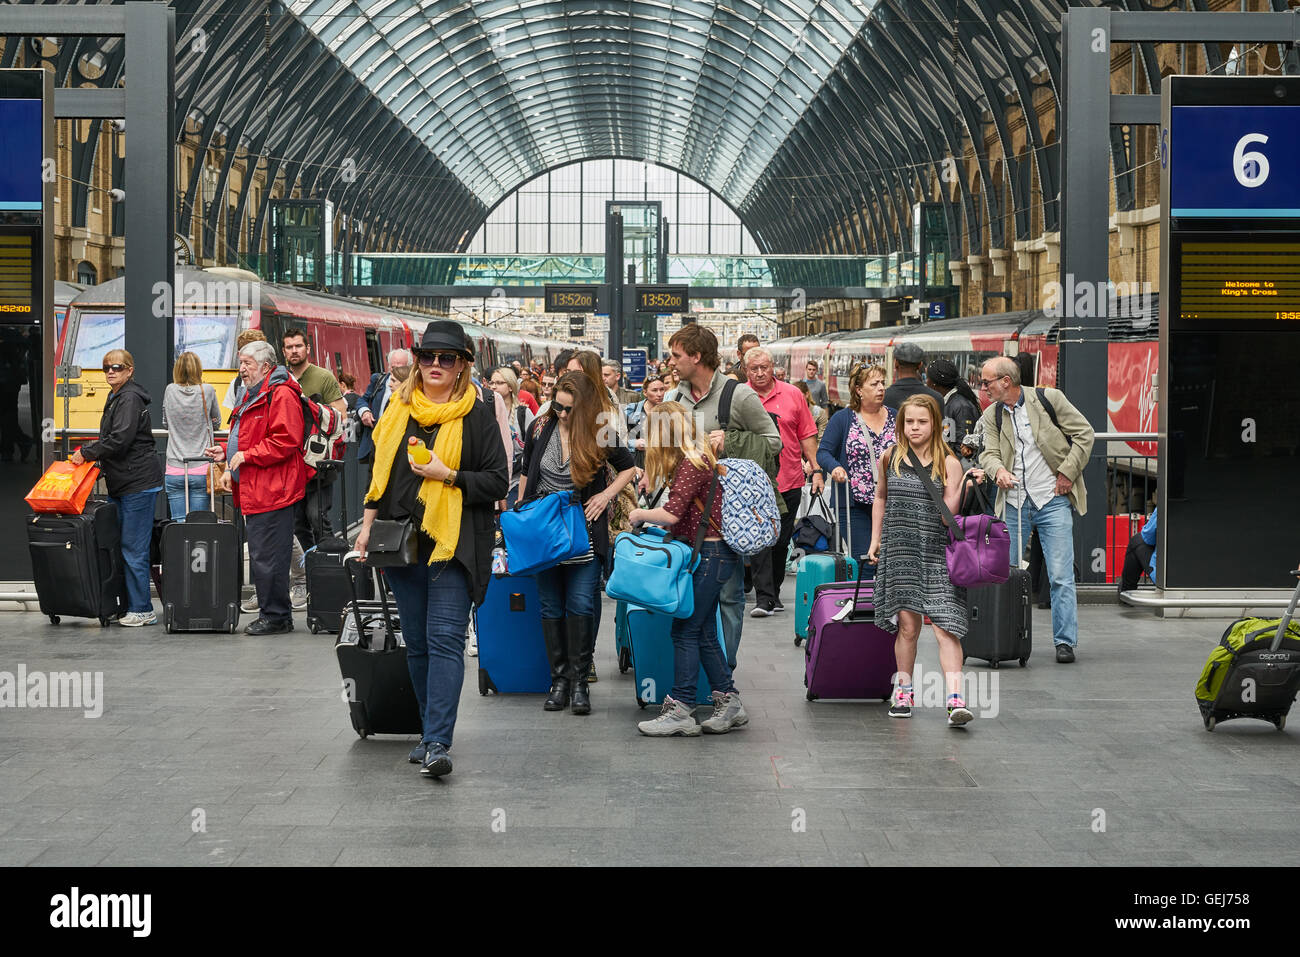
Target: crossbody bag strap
705, 520
945, 513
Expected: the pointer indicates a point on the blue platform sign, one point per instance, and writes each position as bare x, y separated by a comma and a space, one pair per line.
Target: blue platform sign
1234, 161
938, 310
634, 366
21, 128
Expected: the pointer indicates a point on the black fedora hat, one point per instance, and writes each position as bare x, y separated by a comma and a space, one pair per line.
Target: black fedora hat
443, 336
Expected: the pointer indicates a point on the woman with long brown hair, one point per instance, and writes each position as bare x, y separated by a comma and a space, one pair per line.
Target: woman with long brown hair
908, 542
588, 363
564, 451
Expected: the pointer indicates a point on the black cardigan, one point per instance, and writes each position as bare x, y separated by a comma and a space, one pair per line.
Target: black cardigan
619, 457
125, 448
482, 477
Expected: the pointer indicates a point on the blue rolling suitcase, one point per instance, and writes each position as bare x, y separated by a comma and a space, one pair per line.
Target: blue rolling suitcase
822, 569
622, 637
651, 644
511, 653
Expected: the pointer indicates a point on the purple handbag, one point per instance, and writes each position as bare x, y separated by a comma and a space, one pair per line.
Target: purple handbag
979, 546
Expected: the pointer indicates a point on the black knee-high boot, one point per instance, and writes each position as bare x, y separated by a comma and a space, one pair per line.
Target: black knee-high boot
581, 641
554, 634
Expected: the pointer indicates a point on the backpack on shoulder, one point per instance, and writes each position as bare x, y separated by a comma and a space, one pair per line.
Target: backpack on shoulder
322, 431
751, 522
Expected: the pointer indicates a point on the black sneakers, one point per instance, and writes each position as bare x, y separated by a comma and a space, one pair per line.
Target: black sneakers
436, 761
264, 626
1064, 654
417, 753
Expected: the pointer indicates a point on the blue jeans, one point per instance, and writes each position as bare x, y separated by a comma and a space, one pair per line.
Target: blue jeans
433, 602
199, 500
695, 639
1055, 525
858, 523
732, 601
135, 524
566, 590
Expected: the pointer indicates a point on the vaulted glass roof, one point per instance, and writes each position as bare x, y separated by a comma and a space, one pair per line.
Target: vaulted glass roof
502, 90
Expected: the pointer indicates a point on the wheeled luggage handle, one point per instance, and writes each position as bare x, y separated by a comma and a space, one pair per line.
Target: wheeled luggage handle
1290, 613
350, 560
212, 492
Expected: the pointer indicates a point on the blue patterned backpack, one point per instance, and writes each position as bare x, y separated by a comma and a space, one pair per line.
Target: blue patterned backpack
750, 520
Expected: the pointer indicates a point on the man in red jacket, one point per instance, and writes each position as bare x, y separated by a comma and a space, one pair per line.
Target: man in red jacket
268, 476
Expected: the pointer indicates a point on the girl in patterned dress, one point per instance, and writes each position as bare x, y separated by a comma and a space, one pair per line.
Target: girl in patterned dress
907, 546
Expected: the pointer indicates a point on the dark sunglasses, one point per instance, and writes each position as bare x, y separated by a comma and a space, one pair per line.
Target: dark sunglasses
115, 367
446, 360
561, 408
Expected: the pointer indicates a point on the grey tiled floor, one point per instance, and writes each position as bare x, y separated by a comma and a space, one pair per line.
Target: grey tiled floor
216, 750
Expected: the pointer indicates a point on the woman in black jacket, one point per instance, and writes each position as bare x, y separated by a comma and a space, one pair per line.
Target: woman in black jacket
450, 500
566, 449
126, 453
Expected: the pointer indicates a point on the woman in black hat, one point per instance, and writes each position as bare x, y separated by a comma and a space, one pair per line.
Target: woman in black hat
450, 499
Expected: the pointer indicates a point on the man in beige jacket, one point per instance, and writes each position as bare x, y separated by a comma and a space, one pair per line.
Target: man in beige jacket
1035, 447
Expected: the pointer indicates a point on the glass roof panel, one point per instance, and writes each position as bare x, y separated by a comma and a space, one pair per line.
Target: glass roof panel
502, 90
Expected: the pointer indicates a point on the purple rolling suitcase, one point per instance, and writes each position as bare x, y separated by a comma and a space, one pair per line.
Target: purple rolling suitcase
847, 654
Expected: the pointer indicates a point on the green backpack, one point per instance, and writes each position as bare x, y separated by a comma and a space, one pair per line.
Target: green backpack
1255, 636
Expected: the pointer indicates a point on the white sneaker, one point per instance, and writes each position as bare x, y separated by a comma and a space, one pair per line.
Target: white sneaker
728, 713
471, 640
135, 619
250, 604
298, 596
674, 719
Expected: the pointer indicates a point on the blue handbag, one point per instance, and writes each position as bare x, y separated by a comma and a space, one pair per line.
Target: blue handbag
544, 531
654, 570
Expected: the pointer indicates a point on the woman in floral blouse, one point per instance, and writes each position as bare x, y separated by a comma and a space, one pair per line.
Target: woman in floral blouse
850, 452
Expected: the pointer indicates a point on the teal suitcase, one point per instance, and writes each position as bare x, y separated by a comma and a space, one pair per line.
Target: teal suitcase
822, 568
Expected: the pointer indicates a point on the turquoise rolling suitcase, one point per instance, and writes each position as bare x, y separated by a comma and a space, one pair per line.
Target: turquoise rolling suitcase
822, 568
650, 644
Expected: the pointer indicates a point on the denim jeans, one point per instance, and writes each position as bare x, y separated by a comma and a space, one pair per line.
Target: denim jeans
198, 501
135, 524
433, 603
732, 602
1055, 525
569, 590
695, 639
768, 566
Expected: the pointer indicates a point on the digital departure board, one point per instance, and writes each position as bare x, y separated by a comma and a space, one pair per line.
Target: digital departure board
1241, 282
663, 299
571, 298
20, 275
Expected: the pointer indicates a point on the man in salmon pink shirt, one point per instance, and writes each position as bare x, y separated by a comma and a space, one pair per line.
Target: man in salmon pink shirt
798, 441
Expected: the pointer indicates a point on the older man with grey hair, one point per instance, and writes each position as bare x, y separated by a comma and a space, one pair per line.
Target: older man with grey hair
268, 476
612, 372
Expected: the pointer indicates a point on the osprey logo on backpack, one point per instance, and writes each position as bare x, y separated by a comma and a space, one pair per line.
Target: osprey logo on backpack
750, 519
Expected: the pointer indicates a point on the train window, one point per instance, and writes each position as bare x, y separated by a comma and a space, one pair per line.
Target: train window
98, 333
374, 352
211, 338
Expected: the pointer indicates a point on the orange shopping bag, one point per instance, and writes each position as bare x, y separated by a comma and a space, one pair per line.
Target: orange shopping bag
64, 488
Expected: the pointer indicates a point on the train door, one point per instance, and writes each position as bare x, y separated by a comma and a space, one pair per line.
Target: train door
374, 353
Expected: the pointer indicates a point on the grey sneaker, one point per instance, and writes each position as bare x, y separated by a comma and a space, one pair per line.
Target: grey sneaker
250, 604
673, 719
728, 713
135, 619
298, 596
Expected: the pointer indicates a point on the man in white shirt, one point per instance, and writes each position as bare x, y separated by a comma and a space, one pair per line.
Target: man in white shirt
1035, 447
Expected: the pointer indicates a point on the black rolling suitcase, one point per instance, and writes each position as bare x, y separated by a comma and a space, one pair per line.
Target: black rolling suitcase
1000, 617
202, 567
77, 563
327, 580
372, 661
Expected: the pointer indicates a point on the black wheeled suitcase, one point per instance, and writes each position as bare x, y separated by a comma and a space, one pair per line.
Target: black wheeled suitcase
202, 564
327, 579
1000, 617
372, 662
77, 563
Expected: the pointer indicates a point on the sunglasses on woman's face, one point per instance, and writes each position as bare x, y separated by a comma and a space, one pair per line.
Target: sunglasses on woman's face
561, 408
446, 360
114, 367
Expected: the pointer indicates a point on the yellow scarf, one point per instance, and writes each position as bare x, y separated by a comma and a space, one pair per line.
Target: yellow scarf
442, 503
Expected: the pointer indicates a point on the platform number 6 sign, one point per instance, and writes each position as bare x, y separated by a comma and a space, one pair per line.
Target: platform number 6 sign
1251, 169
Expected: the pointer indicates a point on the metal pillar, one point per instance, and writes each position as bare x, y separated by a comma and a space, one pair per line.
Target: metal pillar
614, 282
1085, 253
150, 185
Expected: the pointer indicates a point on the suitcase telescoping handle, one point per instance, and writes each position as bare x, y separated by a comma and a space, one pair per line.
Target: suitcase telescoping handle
843, 536
353, 565
1290, 613
212, 493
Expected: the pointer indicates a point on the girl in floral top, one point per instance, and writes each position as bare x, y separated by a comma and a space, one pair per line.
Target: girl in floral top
850, 452
678, 457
